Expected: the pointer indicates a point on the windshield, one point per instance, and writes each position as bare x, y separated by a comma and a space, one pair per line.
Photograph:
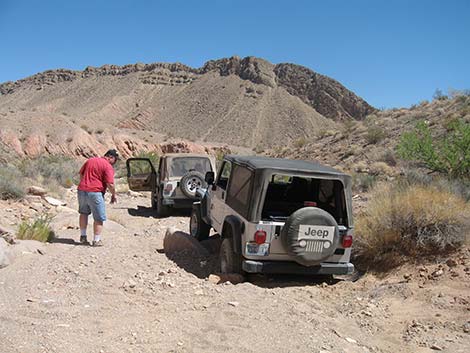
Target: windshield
182, 165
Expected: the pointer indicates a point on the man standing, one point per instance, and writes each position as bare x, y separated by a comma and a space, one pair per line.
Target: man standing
96, 175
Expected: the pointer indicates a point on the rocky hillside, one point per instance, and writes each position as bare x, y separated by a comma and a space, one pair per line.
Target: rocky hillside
245, 102
369, 146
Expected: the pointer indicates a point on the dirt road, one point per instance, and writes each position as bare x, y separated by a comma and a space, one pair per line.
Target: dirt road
128, 296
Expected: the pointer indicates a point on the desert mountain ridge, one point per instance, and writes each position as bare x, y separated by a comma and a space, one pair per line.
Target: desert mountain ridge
246, 102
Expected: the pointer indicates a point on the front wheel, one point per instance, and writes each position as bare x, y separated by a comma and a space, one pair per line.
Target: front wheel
230, 262
197, 227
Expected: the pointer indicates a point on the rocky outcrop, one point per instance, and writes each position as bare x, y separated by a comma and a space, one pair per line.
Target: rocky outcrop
327, 96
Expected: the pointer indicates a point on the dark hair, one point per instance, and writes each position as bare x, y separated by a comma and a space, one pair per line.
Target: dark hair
112, 153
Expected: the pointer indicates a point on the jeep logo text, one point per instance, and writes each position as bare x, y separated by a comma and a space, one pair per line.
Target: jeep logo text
320, 233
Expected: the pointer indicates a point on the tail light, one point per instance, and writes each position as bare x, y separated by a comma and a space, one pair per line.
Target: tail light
310, 204
168, 188
260, 237
347, 241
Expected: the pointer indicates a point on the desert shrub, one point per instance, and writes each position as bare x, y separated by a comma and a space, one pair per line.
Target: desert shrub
374, 134
458, 187
348, 127
409, 221
388, 157
363, 182
37, 229
380, 168
11, 183
439, 95
64, 170
259, 149
300, 142
449, 154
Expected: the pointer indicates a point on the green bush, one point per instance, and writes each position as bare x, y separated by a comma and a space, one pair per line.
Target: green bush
449, 154
11, 183
38, 229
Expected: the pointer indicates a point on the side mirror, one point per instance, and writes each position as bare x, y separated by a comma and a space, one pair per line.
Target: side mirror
209, 178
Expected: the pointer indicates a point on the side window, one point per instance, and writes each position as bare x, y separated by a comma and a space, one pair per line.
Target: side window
238, 195
224, 175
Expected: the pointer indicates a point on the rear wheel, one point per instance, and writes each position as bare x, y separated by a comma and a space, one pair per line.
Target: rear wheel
197, 227
230, 262
162, 210
154, 200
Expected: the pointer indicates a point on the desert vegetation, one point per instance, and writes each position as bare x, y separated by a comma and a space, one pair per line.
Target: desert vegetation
37, 229
52, 172
410, 221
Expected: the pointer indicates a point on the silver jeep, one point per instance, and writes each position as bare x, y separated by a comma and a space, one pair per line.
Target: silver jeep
277, 216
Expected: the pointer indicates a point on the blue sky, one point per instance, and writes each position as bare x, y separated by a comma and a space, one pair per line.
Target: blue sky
391, 53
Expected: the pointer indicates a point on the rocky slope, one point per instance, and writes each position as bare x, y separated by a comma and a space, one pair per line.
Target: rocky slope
246, 102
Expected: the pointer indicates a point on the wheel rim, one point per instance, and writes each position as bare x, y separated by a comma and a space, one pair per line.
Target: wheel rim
192, 184
193, 225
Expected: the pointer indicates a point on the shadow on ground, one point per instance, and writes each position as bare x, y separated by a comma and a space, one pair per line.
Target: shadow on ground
143, 211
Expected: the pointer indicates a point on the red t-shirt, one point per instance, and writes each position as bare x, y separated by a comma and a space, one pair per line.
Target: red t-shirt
96, 174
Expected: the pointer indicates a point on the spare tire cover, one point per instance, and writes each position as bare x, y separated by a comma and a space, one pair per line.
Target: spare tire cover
310, 235
191, 181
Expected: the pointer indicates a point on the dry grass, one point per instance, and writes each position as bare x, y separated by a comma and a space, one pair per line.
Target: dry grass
409, 221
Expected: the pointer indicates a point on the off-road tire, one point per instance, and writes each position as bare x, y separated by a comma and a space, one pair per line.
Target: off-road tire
162, 210
290, 233
230, 262
190, 182
153, 197
197, 227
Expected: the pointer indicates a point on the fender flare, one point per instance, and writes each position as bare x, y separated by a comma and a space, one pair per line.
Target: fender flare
237, 228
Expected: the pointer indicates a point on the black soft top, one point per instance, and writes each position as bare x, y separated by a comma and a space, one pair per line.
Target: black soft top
258, 162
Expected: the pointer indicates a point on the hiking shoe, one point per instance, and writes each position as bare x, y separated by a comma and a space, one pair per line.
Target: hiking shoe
97, 243
83, 239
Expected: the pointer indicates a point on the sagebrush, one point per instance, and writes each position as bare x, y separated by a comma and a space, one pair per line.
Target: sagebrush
409, 221
11, 182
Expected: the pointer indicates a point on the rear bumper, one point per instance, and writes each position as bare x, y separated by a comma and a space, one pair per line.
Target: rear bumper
284, 267
178, 203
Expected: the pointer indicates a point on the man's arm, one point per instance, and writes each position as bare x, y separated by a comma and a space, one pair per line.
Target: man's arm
112, 190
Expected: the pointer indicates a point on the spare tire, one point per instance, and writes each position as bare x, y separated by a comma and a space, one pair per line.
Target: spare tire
190, 182
310, 235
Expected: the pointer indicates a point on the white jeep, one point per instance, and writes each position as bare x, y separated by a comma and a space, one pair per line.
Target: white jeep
277, 216
174, 183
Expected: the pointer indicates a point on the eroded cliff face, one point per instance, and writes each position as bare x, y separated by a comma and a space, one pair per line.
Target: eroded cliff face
247, 102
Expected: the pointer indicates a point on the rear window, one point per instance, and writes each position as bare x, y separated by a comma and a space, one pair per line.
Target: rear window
286, 194
181, 165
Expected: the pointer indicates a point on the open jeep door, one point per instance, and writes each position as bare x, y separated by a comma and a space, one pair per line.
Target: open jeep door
141, 174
